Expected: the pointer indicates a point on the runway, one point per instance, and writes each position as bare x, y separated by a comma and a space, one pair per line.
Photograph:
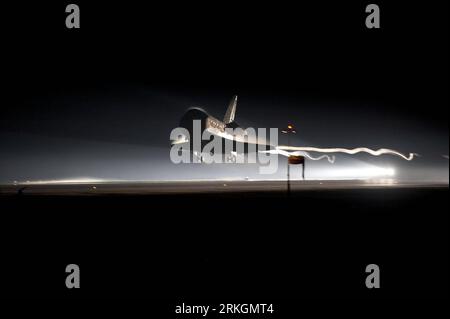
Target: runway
215, 239
99, 188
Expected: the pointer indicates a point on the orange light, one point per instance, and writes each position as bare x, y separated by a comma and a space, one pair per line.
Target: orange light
289, 126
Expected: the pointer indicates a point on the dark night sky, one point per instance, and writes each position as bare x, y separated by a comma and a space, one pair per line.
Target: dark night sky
120, 84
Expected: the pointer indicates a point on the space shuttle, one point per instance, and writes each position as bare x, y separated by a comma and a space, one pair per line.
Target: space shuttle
219, 128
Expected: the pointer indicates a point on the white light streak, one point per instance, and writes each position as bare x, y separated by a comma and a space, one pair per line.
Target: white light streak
378, 152
330, 159
82, 180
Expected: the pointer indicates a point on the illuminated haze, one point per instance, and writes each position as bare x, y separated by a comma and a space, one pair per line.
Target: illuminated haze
123, 134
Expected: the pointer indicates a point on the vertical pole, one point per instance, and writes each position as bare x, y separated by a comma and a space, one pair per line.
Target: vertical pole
303, 169
288, 175
288, 180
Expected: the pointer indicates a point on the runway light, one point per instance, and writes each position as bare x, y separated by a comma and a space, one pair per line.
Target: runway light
378, 171
82, 180
348, 173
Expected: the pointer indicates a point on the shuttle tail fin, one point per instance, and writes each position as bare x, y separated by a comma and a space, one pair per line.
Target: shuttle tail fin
231, 111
